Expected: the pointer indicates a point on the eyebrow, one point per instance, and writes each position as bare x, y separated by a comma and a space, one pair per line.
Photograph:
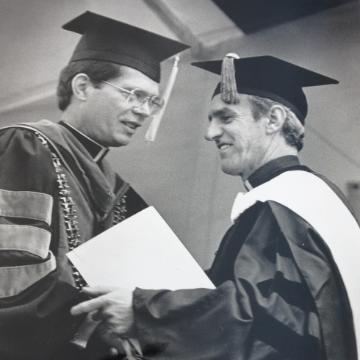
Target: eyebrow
222, 113
139, 89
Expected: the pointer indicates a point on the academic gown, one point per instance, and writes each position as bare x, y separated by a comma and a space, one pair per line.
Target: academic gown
37, 286
279, 294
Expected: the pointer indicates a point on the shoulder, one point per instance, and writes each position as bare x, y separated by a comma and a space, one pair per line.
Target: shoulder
336, 190
270, 222
283, 215
269, 213
24, 161
22, 144
19, 137
27, 131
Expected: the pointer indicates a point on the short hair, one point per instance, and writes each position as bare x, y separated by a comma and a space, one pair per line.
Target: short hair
96, 70
293, 130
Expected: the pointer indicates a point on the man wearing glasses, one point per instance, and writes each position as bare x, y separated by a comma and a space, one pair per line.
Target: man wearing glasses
57, 190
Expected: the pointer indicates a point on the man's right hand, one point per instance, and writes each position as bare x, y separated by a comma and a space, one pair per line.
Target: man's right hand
113, 308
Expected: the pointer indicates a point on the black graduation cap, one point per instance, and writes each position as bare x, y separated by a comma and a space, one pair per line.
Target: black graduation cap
110, 40
269, 77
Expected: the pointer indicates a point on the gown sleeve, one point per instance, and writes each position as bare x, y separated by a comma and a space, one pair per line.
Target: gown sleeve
34, 302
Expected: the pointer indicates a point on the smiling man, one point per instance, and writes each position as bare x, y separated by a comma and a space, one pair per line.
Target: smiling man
57, 190
285, 270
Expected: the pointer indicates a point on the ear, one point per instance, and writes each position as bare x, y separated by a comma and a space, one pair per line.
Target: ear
80, 85
276, 119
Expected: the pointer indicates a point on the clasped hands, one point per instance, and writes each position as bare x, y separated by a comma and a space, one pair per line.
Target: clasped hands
112, 307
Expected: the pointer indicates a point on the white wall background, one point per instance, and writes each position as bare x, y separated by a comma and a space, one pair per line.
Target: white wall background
180, 173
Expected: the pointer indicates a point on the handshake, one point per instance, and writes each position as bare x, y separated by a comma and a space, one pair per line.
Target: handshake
112, 309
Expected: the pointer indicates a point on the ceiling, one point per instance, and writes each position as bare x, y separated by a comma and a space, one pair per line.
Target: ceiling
34, 48
254, 15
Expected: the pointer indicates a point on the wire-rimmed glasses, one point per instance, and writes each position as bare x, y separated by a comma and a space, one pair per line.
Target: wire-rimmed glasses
138, 98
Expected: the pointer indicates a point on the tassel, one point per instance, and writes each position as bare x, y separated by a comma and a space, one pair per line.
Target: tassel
155, 122
228, 86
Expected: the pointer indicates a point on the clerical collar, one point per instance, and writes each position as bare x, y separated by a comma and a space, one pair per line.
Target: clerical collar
273, 168
96, 150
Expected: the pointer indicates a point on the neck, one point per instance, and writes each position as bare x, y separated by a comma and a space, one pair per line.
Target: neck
272, 153
72, 116
279, 152
74, 120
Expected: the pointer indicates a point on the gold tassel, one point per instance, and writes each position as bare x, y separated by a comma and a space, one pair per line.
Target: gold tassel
228, 86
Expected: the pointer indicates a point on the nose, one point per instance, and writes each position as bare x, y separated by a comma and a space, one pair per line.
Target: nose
213, 131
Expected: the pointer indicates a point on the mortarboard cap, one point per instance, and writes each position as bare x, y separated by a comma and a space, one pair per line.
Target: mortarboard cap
106, 39
269, 77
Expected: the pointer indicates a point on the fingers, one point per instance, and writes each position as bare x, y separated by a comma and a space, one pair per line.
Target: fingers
88, 306
98, 290
96, 316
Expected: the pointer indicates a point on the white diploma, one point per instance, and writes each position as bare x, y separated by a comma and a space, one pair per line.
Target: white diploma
141, 251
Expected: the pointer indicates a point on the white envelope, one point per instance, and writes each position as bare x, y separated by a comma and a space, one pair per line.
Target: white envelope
141, 251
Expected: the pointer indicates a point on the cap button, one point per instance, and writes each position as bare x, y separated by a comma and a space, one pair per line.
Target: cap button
232, 55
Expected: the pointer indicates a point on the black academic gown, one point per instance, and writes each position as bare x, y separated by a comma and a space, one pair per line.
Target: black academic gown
279, 295
37, 286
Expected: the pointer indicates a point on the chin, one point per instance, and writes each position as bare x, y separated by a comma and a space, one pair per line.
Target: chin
122, 141
230, 170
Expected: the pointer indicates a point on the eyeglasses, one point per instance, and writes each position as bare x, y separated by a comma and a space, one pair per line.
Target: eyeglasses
139, 98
